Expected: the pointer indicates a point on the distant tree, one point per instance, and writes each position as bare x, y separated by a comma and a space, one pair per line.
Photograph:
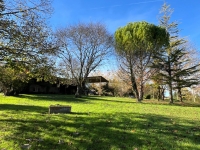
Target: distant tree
135, 44
83, 48
120, 84
159, 85
195, 93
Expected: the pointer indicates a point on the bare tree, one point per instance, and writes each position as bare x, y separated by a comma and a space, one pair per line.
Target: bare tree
20, 7
83, 48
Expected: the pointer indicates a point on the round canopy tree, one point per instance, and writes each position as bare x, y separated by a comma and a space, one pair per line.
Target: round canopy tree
135, 45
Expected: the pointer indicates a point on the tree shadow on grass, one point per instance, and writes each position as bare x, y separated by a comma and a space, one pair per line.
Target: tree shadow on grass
69, 98
103, 98
52, 97
104, 131
28, 108
148, 102
186, 104
79, 113
176, 103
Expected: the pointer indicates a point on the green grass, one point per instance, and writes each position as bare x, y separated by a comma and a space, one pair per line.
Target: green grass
97, 123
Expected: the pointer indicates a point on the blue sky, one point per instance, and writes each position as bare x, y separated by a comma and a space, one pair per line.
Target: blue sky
117, 13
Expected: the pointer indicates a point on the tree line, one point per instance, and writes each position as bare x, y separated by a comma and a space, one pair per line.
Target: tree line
147, 53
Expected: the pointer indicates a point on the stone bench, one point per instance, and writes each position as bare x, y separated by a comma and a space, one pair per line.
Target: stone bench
59, 109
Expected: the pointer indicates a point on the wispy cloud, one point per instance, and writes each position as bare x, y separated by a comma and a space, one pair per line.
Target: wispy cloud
149, 15
122, 5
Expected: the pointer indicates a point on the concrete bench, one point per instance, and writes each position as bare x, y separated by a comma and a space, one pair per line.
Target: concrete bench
59, 109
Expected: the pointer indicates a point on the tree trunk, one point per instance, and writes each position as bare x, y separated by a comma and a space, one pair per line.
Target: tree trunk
137, 95
78, 91
84, 90
141, 92
170, 81
170, 94
81, 90
159, 95
180, 95
163, 94
134, 85
135, 91
10, 92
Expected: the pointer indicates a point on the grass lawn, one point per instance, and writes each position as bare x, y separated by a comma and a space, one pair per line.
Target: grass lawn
97, 123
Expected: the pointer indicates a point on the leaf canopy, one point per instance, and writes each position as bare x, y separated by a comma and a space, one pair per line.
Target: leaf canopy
139, 36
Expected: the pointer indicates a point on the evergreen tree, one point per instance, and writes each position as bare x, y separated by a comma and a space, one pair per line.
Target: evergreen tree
185, 72
171, 60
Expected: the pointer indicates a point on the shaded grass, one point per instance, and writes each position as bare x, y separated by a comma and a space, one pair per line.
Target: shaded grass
97, 123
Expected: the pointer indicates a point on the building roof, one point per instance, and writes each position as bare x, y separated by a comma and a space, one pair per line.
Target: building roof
96, 79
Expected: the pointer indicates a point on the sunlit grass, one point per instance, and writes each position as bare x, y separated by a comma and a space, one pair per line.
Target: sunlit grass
101, 123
